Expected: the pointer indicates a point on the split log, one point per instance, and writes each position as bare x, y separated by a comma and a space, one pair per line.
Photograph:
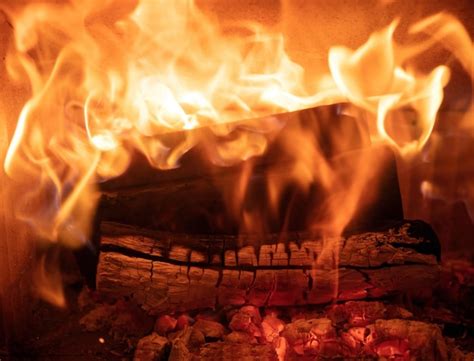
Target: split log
171, 272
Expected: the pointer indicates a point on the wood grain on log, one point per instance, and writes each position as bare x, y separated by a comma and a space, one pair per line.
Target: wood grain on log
163, 271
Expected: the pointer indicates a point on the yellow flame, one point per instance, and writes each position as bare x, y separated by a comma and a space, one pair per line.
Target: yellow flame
374, 78
110, 77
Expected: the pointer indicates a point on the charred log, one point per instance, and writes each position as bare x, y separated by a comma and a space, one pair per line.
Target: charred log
167, 271
199, 204
193, 198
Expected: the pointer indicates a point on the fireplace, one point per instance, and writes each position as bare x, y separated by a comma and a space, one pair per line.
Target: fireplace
210, 180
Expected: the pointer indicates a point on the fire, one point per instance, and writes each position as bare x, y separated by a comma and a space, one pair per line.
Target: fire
389, 86
108, 78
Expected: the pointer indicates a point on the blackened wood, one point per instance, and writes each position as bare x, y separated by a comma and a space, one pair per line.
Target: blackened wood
170, 272
199, 205
329, 126
192, 197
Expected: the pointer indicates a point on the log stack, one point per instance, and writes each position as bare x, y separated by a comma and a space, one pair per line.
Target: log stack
167, 244
168, 241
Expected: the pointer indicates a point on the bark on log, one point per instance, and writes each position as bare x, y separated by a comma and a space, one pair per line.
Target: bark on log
171, 272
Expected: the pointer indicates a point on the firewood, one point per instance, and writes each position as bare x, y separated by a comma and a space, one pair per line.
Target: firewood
194, 196
171, 272
200, 204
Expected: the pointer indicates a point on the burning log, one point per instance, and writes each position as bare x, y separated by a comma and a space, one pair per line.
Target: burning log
198, 196
172, 272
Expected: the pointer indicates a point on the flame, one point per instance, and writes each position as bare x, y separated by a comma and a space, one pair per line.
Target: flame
373, 78
107, 78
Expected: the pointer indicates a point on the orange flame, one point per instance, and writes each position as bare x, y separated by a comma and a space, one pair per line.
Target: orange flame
106, 79
373, 78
